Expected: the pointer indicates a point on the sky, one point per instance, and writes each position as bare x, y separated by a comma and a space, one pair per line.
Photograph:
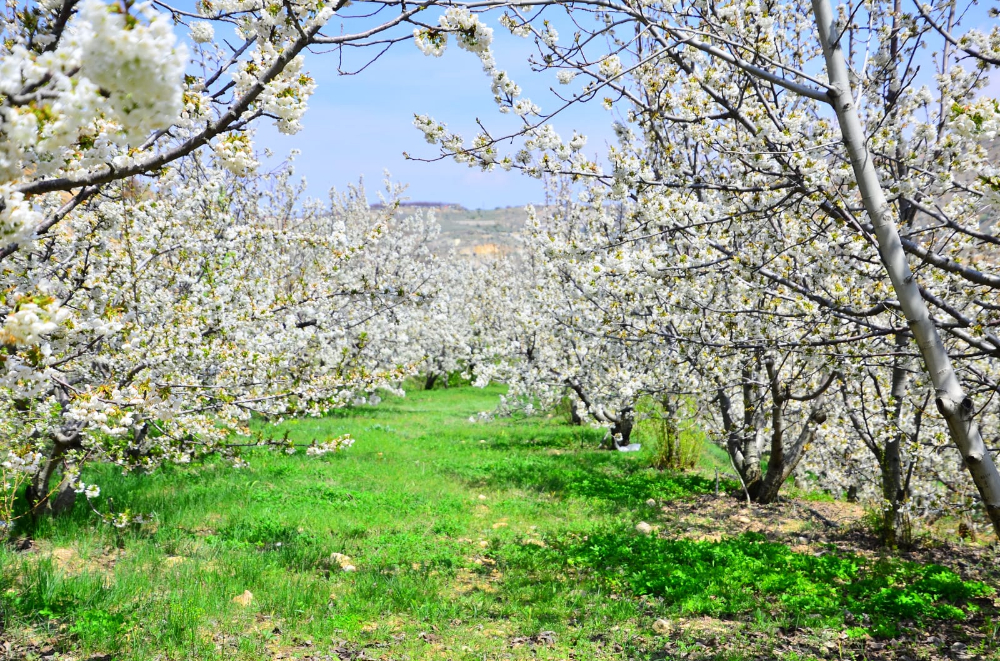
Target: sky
359, 126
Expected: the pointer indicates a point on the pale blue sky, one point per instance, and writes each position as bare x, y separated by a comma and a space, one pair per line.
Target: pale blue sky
361, 125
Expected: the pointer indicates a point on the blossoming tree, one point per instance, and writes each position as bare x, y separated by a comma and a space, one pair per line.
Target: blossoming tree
767, 109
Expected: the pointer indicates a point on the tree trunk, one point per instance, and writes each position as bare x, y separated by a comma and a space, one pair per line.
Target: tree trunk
894, 528
734, 443
743, 442
671, 454
575, 387
63, 500
41, 498
779, 471
429, 381
955, 406
622, 427
753, 426
782, 460
766, 491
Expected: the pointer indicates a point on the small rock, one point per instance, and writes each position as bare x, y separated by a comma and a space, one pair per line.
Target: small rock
651, 503
344, 561
547, 638
743, 519
661, 626
482, 497
644, 528
244, 599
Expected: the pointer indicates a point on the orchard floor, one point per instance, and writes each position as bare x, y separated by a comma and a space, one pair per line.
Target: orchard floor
512, 539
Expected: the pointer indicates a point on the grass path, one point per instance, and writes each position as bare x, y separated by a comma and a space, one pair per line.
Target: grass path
509, 539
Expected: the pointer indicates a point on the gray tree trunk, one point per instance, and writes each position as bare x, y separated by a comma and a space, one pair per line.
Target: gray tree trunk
574, 415
783, 460
42, 498
953, 403
744, 442
622, 427
753, 426
894, 527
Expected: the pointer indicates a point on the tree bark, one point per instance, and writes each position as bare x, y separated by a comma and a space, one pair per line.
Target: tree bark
753, 426
744, 442
953, 403
41, 498
766, 490
783, 460
777, 472
575, 387
430, 380
671, 456
622, 427
574, 415
893, 490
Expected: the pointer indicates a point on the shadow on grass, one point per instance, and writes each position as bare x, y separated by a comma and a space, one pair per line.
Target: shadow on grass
620, 481
747, 576
528, 433
383, 410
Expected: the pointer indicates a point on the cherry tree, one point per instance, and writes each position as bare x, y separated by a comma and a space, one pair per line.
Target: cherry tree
151, 324
444, 329
151, 304
729, 107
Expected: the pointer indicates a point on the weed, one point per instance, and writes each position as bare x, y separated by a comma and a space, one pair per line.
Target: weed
658, 426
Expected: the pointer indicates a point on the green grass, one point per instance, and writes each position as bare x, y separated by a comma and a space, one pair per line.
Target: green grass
478, 536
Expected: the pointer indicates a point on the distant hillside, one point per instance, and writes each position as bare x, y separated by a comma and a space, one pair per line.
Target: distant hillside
432, 205
477, 233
